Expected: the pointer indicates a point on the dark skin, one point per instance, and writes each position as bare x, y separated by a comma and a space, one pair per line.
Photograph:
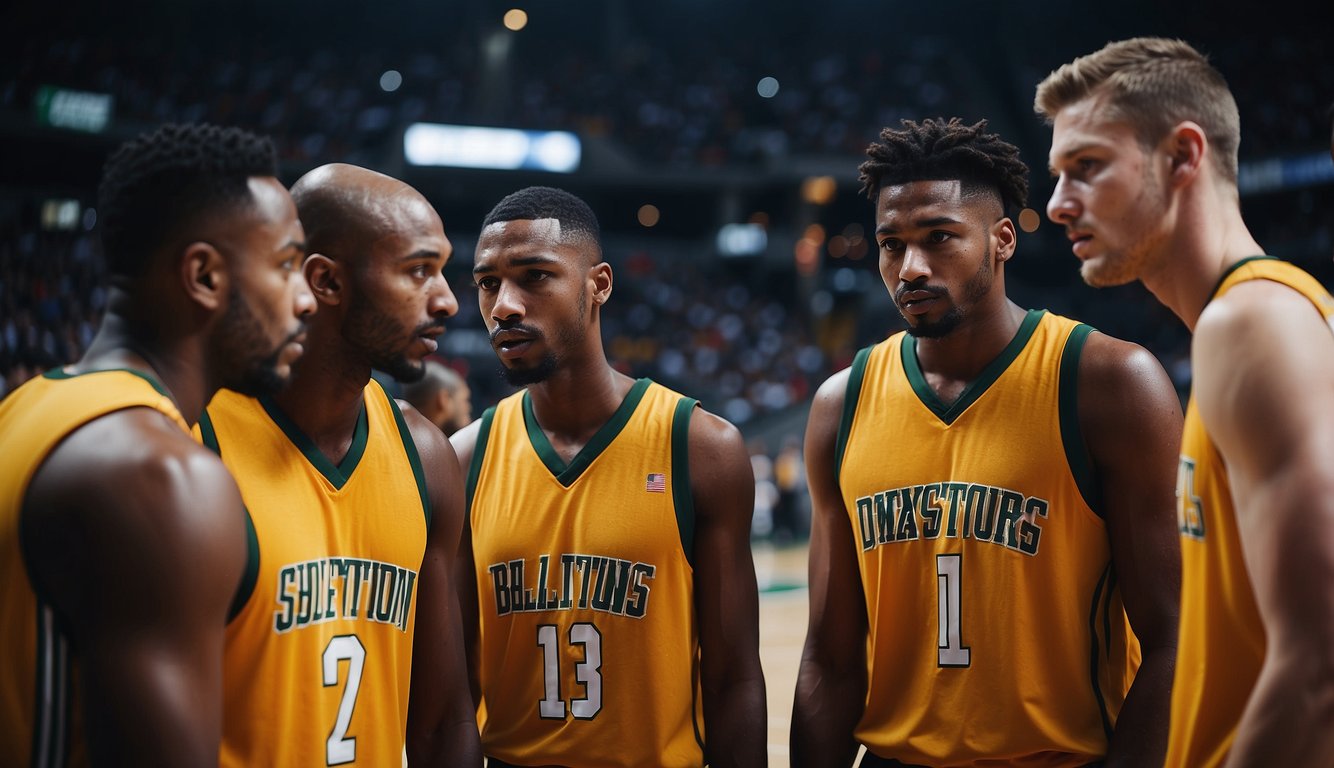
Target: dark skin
132, 494
1131, 421
392, 257
526, 272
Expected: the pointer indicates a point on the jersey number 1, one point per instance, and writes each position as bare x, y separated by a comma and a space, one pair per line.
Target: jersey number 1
587, 673
952, 651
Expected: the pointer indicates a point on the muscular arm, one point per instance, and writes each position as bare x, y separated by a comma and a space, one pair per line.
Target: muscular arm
1264, 384
136, 536
1131, 421
726, 599
831, 682
442, 724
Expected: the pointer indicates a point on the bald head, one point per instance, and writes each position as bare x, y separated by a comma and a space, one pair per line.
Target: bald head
441, 396
346, 209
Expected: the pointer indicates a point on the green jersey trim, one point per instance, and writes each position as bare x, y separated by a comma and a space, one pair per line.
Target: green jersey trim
478, 452
209, 437
1228, 272
60, 374
336, 475
682, 497
850, 396
414, 458
977, 387
567, 474
1072, 437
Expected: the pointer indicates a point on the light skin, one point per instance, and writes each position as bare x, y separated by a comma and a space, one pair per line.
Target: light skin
150, 648
942, 252
1263, 378
531, 283
392, 279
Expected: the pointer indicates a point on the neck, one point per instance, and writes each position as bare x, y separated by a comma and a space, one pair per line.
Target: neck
324, 395
1207, 239
578, 399
979, 339
179, 364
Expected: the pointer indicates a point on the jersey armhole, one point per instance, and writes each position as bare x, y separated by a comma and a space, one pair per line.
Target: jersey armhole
850, 396
682, 497
414, 458
209, 437
1072, 437
246, 587
478, 452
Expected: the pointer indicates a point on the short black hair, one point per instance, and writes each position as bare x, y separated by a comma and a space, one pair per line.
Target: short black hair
533, 203
156, 186
936, 150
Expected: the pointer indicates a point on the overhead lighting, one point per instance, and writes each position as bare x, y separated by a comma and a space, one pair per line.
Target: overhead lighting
516, 19
470, 146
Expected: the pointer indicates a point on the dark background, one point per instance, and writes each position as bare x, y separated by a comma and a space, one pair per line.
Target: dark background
663, 96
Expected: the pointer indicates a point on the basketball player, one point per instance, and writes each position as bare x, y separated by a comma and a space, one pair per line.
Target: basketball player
442, 396
1144, 146
610, 526
122, 541
990, 489
356, 506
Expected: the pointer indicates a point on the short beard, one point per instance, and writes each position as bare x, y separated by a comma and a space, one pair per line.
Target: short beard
380, 339
977, 286
239, 334
522, 377
539, 373
939, 328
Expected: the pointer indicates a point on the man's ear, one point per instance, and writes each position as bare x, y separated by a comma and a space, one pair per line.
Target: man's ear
1005, 238
325, 278
601, 277
203, 274
1186, 147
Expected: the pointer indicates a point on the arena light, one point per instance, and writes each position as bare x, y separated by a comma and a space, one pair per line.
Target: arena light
507, 149
76, 110
741, 240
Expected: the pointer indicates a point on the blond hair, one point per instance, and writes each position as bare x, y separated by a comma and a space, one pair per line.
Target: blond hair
1152, 83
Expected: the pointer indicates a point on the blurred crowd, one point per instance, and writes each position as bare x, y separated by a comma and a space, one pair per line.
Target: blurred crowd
752, 339
664, 108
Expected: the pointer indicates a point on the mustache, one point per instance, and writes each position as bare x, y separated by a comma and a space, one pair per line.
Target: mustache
438, 322
935, 290
520, 327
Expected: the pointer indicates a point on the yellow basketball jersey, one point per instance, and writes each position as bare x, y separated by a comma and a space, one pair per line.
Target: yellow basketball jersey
996, 630
1222, 641
319, 656
588, 642
39, 725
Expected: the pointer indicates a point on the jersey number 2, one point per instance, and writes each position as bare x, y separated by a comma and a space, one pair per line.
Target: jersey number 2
340, 748
587, 673
952, 651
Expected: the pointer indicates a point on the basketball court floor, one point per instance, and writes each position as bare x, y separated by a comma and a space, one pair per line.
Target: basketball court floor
783, 603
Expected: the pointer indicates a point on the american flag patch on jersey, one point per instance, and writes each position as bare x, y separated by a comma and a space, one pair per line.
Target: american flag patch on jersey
657, 483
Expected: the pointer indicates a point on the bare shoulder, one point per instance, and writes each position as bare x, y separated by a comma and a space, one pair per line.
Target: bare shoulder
431, 443
1256, 320
1259, 351
719, 463
1125, 400
1109, 363
137, 461
465, 441
715, 444
827, 406
142, 496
